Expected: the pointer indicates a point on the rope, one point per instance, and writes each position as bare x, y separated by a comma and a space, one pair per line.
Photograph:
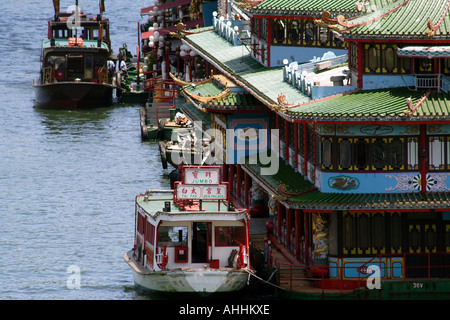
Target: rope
266, 281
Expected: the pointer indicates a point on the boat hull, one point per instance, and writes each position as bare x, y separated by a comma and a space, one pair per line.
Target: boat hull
73, 95
188, 280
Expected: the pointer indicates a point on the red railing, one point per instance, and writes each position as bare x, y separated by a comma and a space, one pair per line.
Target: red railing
289, 273
161, 114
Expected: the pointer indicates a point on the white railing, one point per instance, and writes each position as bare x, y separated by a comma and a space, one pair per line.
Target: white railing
432, 81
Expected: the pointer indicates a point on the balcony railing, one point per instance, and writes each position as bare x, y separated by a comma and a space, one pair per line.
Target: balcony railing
299, 277
432, 81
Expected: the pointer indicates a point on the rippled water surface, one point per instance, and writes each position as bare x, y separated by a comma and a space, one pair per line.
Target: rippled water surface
67, 179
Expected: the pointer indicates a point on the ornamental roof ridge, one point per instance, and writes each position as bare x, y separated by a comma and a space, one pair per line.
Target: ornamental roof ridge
401, 19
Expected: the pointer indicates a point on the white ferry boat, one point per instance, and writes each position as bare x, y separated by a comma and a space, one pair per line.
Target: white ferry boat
190, 239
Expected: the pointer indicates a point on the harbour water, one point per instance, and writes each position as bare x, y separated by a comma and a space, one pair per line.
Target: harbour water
68, 179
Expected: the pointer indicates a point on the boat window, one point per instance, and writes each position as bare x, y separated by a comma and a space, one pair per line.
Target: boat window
172, 236
89, 66
75, 66
56, 62
229, 236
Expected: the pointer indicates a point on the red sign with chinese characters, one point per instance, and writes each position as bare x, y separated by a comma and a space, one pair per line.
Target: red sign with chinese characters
201, 175
205, 192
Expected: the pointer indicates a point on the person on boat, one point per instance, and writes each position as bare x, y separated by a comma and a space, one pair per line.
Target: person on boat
181, 119
111, 68
123, 67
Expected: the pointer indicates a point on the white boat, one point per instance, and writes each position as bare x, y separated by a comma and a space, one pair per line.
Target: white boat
190, 239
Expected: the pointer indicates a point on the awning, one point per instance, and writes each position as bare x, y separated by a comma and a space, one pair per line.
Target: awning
167, 5
424, 52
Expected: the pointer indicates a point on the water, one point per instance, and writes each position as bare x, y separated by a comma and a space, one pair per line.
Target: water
67, 179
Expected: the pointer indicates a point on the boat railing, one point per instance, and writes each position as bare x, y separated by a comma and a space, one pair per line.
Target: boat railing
165, 91
151, 78
47, 75
161, 114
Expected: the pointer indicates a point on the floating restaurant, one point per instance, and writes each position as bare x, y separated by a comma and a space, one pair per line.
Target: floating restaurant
332, 119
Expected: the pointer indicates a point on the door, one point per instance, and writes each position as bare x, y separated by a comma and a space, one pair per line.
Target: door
201, 241
424, 244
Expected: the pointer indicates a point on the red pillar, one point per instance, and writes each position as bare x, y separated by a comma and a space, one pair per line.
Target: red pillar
306, 229
423, 151
360, 59
239, 180
286, 140
296, 144
278, 128
247, 184
297, 231
288, 226
280, 219
305, 148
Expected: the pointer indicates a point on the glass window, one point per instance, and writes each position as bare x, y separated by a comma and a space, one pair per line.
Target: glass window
172, 236
413, 153
229, 236
397, 154
327, 152
310, 33
279, 31
345, 154
360, 156
438, 149
294, 32
378, 154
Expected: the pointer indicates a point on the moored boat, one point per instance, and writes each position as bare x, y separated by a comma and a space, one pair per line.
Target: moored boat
74, 72
190, 239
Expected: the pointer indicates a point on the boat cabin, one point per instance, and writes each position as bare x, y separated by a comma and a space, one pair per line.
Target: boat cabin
74, 60
194, 226
89, 28
170, 238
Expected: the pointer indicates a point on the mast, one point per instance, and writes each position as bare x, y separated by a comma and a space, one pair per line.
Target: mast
56, 6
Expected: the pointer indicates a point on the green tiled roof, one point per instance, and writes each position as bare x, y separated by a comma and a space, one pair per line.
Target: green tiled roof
378, 104
316, 200
285, 174
237, 64
303, 7
409, 20
232, 101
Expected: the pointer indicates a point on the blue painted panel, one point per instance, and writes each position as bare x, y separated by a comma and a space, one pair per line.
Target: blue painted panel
299, 54
387, 81
250, 135
208, 8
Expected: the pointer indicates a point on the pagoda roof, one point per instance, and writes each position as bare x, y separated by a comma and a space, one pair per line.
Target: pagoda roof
236, 63
402, 19
316, 200
390, 104
221, 94
377, 105
308, 8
